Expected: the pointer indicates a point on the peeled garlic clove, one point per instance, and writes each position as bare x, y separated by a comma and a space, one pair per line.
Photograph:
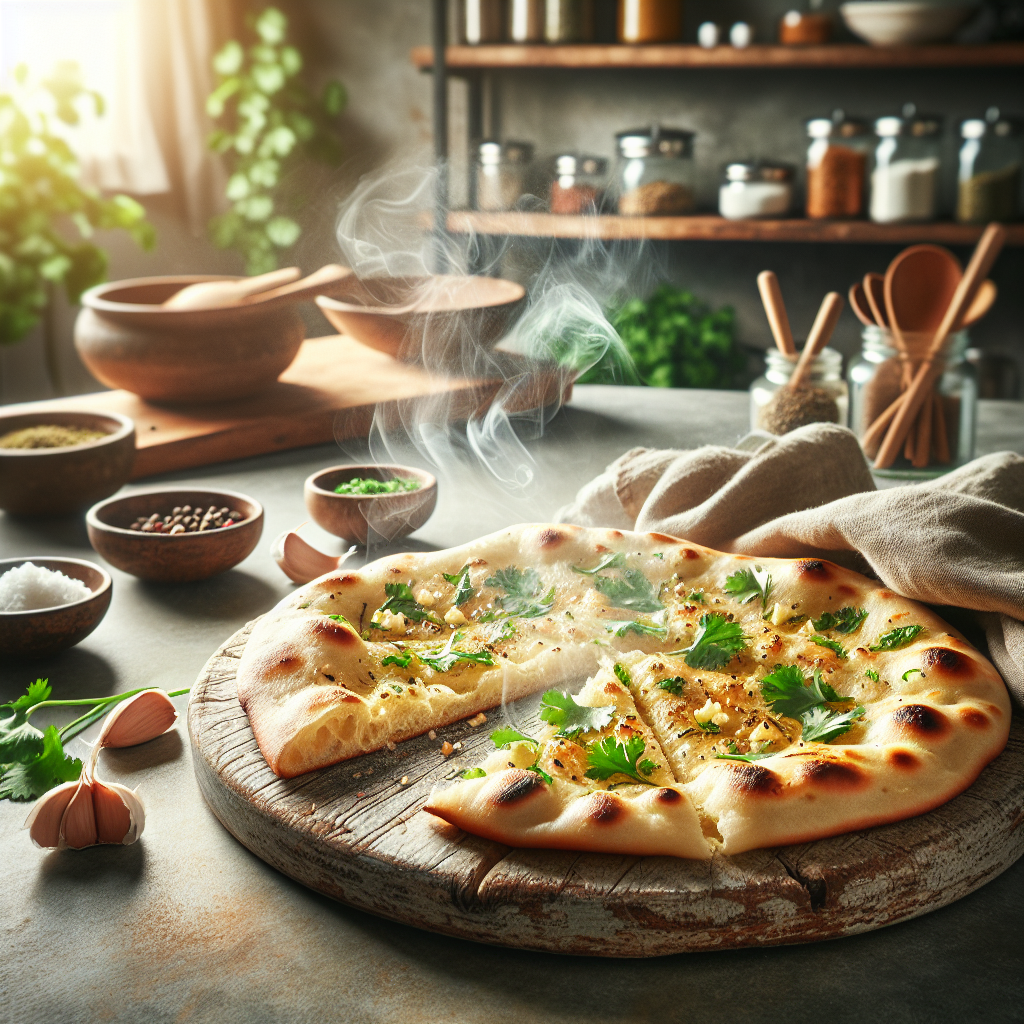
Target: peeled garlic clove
78, 826
300, 561
120, 817
43, 822
140, 718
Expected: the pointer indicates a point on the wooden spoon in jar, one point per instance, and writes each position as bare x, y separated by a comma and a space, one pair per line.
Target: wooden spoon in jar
231, 292
821, 332
859, 305
874, 292
775, 309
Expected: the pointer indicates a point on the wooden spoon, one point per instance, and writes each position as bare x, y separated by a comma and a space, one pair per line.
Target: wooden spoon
821, 331
982, 303
313, 284
874, 292
859, 305
217, 294
910, 402
775, 308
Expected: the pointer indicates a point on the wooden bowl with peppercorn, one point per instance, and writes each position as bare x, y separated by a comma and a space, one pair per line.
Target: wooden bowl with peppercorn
55, 463
349, 501
175, 535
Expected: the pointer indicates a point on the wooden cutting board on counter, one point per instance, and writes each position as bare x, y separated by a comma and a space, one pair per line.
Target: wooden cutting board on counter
357, 832
329, 392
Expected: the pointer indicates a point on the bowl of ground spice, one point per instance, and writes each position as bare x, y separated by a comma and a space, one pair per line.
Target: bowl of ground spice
175, 535
353, 501
55, 463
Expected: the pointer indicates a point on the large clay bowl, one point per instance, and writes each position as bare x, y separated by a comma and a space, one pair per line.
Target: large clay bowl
58, 481
128, 340
349, 516
42, 631
439, 321
183, 557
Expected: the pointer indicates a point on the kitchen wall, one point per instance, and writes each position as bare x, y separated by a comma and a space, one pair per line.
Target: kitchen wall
736, 114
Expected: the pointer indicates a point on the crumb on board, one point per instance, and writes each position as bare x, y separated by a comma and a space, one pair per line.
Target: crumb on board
432, 735
404, 780
446, 749
477, 720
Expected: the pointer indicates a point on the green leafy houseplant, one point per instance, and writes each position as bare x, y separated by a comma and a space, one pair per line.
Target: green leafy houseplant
43, 202
267, 120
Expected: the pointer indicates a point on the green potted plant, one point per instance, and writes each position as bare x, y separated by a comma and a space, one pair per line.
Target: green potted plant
47, 216
267, 122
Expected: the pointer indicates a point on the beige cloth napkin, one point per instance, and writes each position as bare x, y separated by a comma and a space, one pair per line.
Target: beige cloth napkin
957, 540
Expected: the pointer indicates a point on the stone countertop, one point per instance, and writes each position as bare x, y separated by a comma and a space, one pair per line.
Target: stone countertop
187, 925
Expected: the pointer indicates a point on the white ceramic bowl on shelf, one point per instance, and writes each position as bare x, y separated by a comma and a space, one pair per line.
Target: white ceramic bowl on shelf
902, 22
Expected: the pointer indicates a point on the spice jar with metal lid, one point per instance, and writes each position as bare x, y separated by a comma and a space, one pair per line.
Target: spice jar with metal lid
805, 28
756, 190
822, 399
654, 174
650, 21
989, 179
876, 377
579, 183
501, 174
905, 178
526, 21
481, 21
568, 21
836, 165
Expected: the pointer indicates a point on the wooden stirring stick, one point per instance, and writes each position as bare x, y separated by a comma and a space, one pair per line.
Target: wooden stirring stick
874, 292
821, 331
909, 404
859, 305
775, 308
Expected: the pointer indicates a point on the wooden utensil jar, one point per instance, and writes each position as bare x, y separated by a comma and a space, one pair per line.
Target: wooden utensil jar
875, 376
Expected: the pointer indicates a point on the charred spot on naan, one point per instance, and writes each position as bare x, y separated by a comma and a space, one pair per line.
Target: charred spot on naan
905, 760
947, 663
921, 721
974, 719
754, 780
550, 538
668, 796
604, 808
815, 569
340, 634
833, 774
663, 538
515, 786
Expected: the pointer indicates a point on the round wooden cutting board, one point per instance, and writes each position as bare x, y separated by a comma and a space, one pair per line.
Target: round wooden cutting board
356, 832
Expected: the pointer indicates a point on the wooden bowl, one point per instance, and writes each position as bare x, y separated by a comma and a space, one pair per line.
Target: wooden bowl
42, 631
349, 516
128, 340
58, 481
183, 557
439, 321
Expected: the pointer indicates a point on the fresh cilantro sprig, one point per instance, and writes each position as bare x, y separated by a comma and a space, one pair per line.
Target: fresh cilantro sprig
896, 638
746, 584
561, 710
616, 561
697, 596
504, 738
708, 726
442, 659
717, 641
611, 756
401, 599
823, 724
735, 755
789, 693
632, 590
620, 627
832, 645
502, 630
524, 594
622, 674
872, 675
846, 620
674, 685
402, 659
31, 778
463, 588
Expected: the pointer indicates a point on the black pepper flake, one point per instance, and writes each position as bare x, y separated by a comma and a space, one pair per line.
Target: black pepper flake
558, 763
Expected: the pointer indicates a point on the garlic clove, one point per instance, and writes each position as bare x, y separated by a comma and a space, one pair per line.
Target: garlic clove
301, 562
43, 822
78, 826
115, 820
137, 720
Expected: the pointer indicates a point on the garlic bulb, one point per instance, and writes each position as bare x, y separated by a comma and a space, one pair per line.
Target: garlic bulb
86, 813
300, 561
140, 718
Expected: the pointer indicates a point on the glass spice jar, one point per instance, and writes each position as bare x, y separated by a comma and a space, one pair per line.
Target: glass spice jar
481, 21
568, 21
650, 21
654, 174
501, 174
579, 182
805, 28
875, 377
526, 21
836, 165
990, 168
905, 179
822, 400
755, 190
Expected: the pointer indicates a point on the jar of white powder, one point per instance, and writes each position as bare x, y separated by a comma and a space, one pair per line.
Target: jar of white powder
905, 179
756, 190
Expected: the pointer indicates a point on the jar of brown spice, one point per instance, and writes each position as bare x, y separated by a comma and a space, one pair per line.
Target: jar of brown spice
836, 166
579, 183
654, 174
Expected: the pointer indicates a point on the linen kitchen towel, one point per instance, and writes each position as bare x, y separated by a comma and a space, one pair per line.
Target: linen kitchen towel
957, 540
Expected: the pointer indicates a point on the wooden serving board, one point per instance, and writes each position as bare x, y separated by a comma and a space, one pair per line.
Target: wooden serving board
330, 392
357, 834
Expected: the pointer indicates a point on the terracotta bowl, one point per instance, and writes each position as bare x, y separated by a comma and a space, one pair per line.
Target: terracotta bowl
439, 321
183, 557
128, 340
349, 516
58, 481
43, 631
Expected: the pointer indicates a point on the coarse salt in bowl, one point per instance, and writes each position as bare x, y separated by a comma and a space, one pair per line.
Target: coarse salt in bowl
28, 587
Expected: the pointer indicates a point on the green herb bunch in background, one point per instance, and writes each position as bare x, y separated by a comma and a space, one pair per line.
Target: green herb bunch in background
44, 205
267, 122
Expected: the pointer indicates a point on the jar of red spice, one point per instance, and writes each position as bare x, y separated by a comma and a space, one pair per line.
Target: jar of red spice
837, 160
579, 183
650, 21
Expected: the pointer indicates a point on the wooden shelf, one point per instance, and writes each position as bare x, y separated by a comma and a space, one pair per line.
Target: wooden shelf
836, 55
716, 229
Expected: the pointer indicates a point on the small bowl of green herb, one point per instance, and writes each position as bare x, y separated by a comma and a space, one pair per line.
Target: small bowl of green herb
353, 501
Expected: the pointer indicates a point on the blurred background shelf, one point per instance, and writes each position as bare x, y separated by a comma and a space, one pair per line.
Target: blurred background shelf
837, 55
713, 228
